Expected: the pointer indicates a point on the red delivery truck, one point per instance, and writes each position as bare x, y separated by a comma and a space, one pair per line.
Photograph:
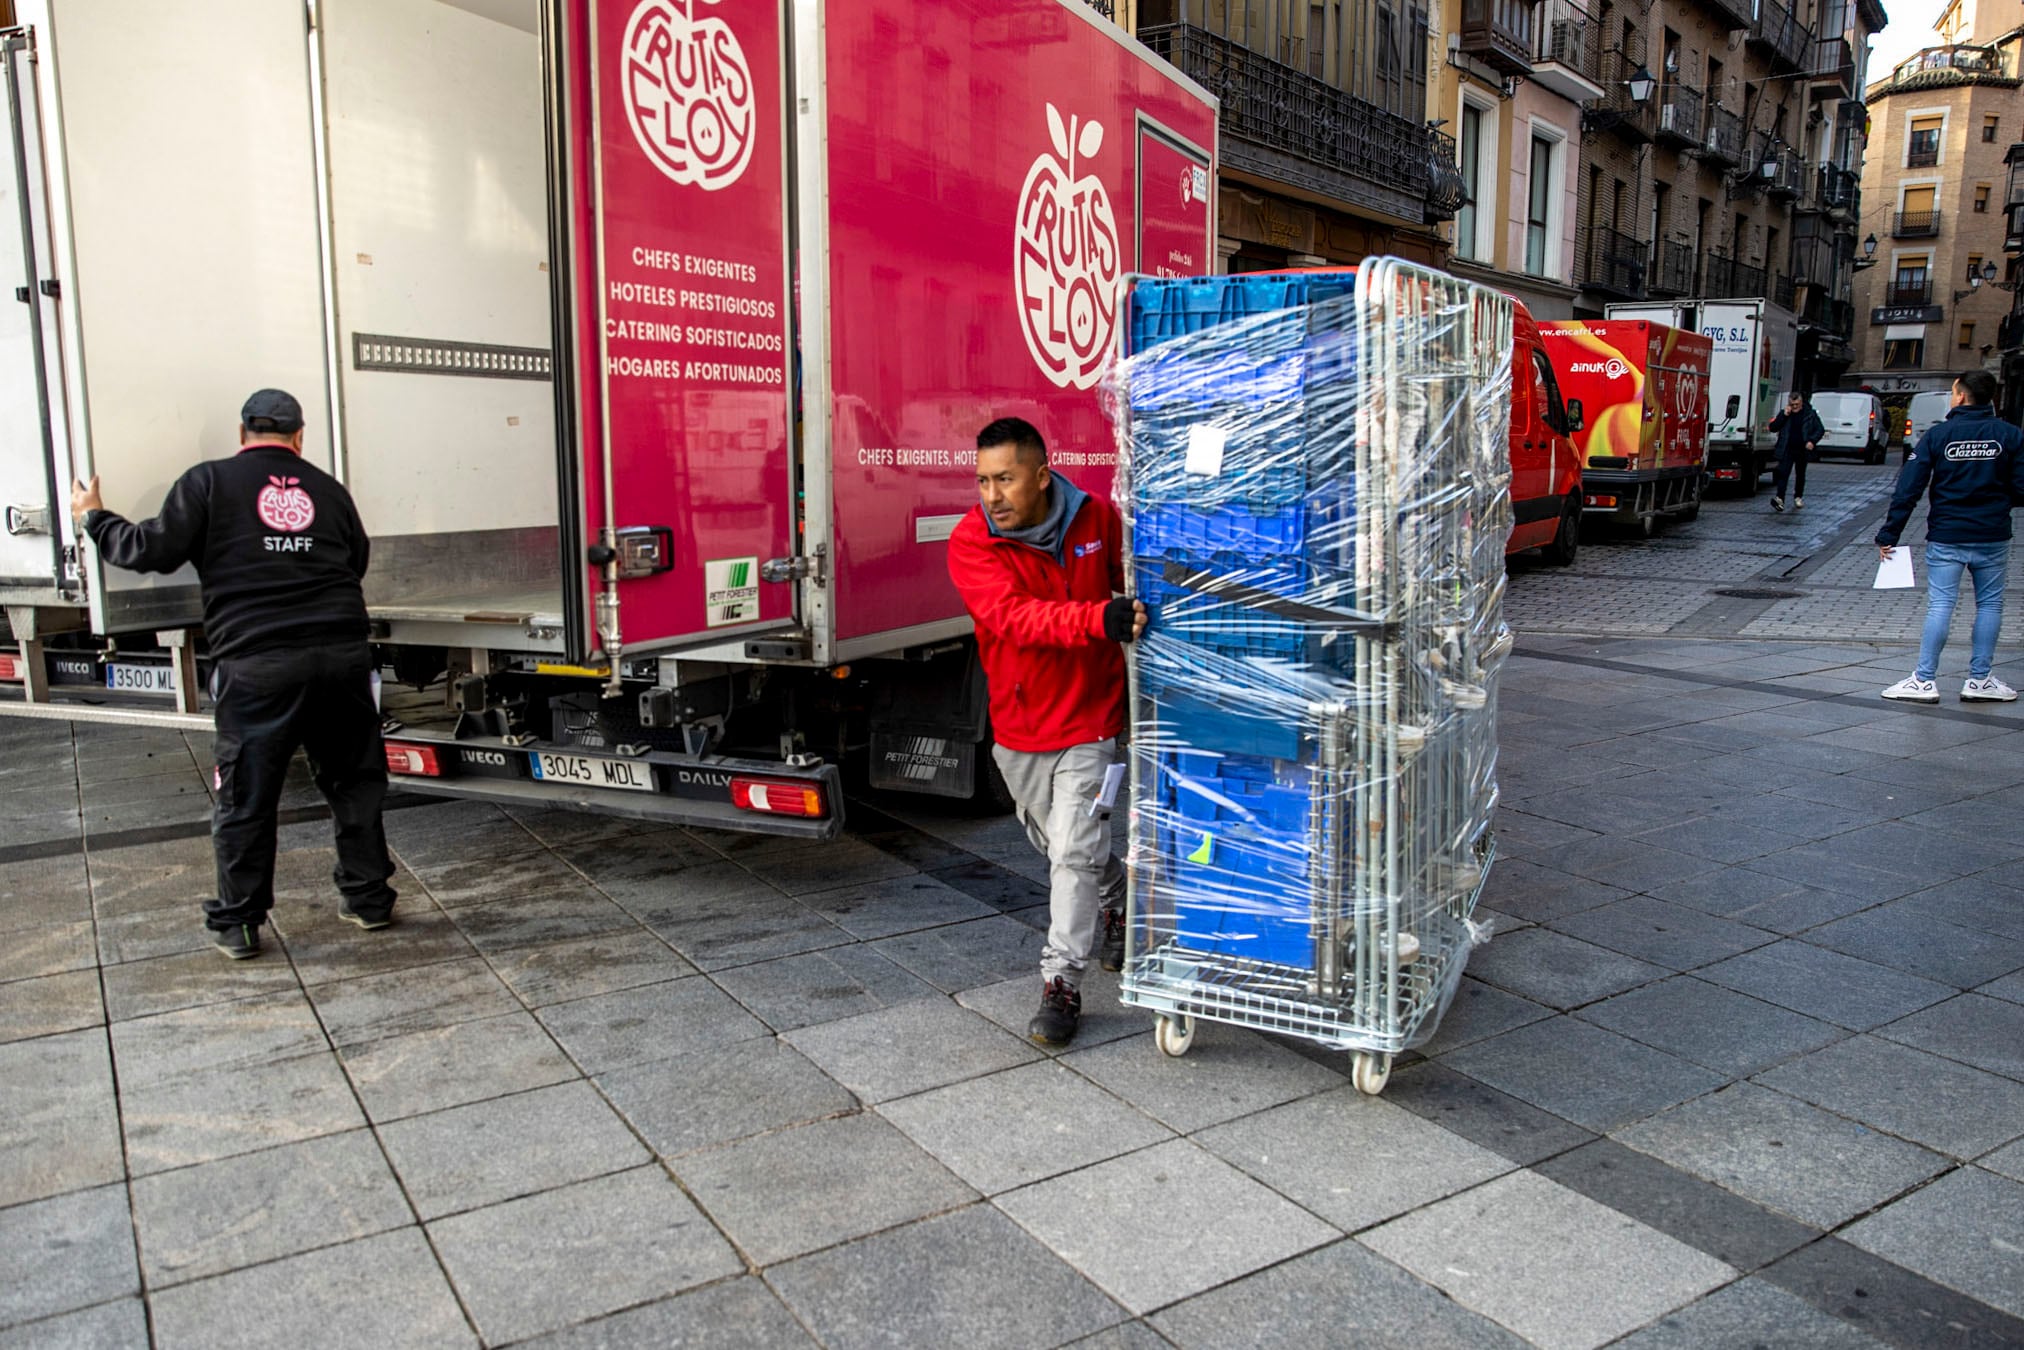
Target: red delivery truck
1546, 502
650, 336
1643, 390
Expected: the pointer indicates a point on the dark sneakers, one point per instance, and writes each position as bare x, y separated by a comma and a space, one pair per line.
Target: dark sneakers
240, 941
1111, 954
365, 917
1060, 1013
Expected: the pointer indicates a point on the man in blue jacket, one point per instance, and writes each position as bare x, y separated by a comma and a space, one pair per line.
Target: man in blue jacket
1971, 466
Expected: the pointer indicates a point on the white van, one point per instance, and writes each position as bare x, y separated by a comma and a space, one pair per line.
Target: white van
1926, 411
1853, 425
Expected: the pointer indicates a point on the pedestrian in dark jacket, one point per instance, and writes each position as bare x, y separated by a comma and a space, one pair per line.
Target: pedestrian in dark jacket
1039, 563
280, 555
1970, 467
1799, 429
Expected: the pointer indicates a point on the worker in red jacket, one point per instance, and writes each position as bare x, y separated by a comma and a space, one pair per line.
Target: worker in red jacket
1039, 563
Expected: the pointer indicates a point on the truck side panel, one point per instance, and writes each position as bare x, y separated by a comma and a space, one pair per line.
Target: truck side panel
983, 157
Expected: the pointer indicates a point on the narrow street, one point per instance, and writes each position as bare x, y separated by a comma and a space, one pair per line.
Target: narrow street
1742, 1061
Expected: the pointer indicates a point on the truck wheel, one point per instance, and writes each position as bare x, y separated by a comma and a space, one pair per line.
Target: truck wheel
1874, 455
1566, 538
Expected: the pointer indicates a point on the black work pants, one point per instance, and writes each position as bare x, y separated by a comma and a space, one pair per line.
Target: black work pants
1792, 462
268, 705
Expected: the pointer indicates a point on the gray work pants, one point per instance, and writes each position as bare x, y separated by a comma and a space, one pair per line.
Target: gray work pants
1054, 791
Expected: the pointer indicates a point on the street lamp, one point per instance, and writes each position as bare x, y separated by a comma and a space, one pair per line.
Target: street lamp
1641, 84
1976, 277
1868, 258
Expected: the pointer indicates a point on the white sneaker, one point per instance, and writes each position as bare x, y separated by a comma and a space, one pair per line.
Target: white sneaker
1798, 503
1912, 689
1778, 505
1988, 689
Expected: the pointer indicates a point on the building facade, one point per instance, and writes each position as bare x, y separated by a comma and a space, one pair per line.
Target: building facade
1934, 197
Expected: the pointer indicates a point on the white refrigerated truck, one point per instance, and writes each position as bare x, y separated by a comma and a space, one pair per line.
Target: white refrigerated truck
1749, 374
650, 336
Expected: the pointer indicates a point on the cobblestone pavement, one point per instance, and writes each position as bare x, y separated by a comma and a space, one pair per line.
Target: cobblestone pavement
1743, 1063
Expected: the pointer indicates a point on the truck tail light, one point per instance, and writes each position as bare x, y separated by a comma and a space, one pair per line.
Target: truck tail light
779, 797
1599, 499
10, 667
414, 760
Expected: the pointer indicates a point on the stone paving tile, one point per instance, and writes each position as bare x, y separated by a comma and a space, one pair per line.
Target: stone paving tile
447, 832
2007, 1161
1827, 985
1630, 864
477, 1155
1552, 1265
740, 1314
701, 1100
484, 878
1557, 970
1936, 1102
544, 1261
1481, 1114
65, 1253
795, 1191
497, 927
653, 1022
603, 963
1674, 936
970, 1278
108, 1326
247, 1032
563, 828
1709, 1025
1708, 1218
2010, 987
1782, 1153
1966, 1230
901, 904
1824, 864
51, 950
1023, 1125
1716, 839
1012, 1003
324, 948
1751, 1312
44, 891
201, 1116
1898, 1305
1480, 1011
744, 927
841, 862
59, 1122
1920, 945
1382, 1159
1537, 890
166, 983
1582, 1073
398, 1076
1344, 1294
1228, 1072
816, 987
50, 1004
910, 1048
150, 932
255, 1207
1095, 1218
1969, 902
383, 1291
967, 955
1985, 1032
403, 1001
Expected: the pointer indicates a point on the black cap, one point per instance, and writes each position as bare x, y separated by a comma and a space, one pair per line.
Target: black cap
272, 410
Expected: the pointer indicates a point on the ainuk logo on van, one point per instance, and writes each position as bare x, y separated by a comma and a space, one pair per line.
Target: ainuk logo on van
688, 93
1612, 368
1065, 258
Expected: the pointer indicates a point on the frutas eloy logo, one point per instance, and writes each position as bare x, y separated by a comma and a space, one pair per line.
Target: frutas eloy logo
688, 93
283, 505
1065, 257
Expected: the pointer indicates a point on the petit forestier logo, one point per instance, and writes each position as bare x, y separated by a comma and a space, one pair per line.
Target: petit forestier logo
1065, 257
688, 93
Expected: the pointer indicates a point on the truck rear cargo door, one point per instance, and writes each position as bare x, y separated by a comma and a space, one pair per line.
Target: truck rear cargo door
682, 316
30, 548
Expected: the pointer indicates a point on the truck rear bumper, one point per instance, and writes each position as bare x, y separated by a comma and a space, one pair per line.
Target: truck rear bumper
804, 802
1629, 495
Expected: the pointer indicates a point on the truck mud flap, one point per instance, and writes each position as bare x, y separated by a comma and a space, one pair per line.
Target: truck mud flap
752, 796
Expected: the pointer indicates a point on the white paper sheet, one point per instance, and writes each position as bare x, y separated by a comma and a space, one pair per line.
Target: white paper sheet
1205, 451
1895, 572
1106, 797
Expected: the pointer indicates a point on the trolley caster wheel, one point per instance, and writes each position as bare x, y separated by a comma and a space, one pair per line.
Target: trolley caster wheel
1173, 1035
1370, 1072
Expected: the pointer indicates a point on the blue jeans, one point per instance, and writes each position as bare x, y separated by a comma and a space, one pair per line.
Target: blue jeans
1987, 564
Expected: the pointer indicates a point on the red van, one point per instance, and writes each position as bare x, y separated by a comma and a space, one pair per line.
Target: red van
1545, 469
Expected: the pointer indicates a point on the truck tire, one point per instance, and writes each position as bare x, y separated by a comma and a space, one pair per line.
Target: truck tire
1874, 455
1567, 537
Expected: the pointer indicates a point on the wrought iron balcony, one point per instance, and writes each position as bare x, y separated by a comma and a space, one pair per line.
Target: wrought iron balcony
1726, 278
1616, 110
1838, 192
1830, 66
1610, 260
1776, 167
1679, 114
1499, 33
1722, 140
1915, 225
1901, 293
1816, 261
1782, 291
1567, 59
1672, 270
1781, 34
1285, 126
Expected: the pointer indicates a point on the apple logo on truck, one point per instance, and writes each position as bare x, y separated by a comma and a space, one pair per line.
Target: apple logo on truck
1065, 258
688, 93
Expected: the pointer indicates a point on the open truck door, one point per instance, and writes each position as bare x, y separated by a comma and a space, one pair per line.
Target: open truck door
31, 395
679, 323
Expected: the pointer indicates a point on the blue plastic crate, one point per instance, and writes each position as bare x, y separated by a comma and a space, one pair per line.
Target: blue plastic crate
1164, 309
1266, 460
1181, 528
1215, 717
1227, 626
1238, 855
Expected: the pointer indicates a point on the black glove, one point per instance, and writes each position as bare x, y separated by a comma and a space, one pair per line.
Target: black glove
1120, 618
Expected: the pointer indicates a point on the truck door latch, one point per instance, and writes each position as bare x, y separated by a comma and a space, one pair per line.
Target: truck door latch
28, 520
797, 568
644, 550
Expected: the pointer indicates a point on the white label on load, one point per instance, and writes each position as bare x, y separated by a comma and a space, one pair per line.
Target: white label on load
1205, 450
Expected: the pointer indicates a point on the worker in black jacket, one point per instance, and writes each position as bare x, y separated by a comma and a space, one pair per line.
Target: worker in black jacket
280, 554
1799, 429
